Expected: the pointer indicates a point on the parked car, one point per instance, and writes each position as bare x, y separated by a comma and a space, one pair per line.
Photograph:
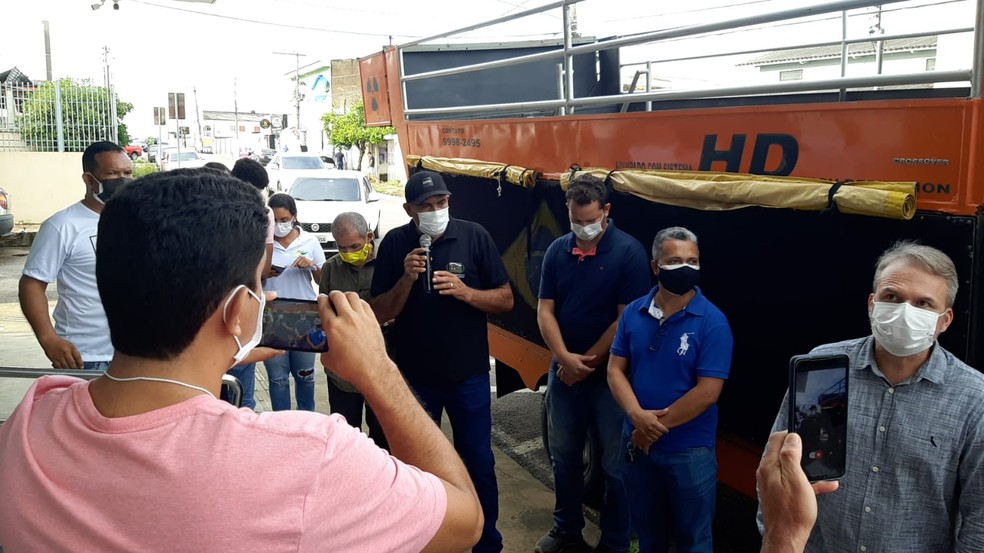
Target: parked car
6, 217
134, 151
154, 151
183, 159
285, 168
321, 196
263, 156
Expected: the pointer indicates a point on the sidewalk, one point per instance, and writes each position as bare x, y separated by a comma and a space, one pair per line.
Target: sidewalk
525, 505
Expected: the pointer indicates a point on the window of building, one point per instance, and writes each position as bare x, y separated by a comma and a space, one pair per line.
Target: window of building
930, 64
791, 75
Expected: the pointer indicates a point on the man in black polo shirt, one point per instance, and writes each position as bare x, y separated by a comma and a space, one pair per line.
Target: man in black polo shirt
589, 275
440, 337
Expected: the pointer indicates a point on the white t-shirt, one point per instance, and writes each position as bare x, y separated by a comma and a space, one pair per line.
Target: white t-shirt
64, 252
294, 283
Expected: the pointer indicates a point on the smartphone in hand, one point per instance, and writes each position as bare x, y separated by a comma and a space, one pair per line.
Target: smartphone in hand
293, 325
818, 406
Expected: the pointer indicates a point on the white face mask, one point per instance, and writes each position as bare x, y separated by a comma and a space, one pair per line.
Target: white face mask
283, 229
587, 232
902, 329
433, 223
244, 349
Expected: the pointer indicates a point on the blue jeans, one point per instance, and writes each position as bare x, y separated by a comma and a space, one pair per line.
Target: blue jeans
571, 410
95, 365
672, 496
300, 364
469, 407
246, 374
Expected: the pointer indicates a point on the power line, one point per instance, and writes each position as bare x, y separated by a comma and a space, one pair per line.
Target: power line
682, 12
815, 19
272, 24
334, 7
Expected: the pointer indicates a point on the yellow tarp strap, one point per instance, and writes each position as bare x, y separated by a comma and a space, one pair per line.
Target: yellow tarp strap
512, 174
709, 191
726, 191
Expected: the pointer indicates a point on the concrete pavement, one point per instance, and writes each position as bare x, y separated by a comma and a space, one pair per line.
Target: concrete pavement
525, 505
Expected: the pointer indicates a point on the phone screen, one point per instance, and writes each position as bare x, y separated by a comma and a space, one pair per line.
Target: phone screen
818, 413
293, 325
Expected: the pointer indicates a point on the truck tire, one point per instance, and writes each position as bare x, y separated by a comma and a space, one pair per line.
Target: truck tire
594, 476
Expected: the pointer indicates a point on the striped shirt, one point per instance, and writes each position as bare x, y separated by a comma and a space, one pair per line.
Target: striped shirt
915, 459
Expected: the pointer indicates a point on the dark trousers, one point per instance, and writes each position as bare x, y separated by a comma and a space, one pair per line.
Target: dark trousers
349, 405
672, 497
469, 407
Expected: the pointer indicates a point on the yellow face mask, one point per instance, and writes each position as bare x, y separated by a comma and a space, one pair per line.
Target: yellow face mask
359, 257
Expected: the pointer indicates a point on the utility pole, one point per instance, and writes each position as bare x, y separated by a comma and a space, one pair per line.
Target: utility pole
198, 118
47, 50
110, 100
297, 91
235, 106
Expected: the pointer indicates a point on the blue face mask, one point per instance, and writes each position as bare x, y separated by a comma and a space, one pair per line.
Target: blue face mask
678, 279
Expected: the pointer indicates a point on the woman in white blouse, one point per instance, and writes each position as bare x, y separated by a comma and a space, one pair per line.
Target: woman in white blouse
301, 258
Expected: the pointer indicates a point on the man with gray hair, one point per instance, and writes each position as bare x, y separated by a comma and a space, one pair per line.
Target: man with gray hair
669, 360
351, 271
915, 465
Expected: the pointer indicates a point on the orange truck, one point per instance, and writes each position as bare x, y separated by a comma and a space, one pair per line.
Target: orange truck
764, 173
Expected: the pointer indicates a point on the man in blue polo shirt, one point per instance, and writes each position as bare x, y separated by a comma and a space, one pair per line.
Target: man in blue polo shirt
669, 361
588, 277
440, 335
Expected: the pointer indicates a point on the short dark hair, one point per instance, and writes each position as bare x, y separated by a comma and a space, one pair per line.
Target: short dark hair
171, 247
251, 171
217, 166
89, 155
285, 201
587, 188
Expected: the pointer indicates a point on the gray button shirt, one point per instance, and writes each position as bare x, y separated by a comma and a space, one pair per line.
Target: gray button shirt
915, 459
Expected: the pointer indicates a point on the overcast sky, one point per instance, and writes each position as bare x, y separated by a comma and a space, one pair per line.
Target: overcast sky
158, 46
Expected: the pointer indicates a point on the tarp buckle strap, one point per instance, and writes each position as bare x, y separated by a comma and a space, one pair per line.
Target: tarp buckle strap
608, 184
500, 176
831, 192
574, 169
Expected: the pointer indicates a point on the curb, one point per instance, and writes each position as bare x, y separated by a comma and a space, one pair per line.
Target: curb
22, 239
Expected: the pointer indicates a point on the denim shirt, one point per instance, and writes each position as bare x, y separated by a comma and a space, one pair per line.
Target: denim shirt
915, 459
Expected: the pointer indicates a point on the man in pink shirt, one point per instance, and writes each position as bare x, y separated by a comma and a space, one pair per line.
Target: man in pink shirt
145, 458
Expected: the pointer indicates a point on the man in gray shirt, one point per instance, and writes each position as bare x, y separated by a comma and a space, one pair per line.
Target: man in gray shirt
915, 451
351, 271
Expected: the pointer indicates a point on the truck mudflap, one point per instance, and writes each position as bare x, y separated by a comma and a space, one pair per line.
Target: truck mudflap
787, 279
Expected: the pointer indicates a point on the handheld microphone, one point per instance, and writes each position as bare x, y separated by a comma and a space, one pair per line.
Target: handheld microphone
425, 242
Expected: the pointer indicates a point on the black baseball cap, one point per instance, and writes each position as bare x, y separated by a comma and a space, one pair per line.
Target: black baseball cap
424, 184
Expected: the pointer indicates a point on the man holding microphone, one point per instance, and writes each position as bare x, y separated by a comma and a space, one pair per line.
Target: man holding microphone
440, 335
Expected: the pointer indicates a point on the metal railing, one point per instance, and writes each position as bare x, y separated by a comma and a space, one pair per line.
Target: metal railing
64, 115
566, 101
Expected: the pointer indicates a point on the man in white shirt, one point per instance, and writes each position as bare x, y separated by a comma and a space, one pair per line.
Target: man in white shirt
64, 251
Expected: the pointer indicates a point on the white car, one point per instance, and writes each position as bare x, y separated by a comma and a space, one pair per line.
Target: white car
183, 159
323, 195
287, 167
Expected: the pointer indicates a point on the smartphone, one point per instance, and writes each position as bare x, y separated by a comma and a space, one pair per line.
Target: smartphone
277, 268
293, 325
818, 412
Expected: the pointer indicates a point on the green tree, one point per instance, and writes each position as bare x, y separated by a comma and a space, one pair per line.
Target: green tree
350, 129
85, 112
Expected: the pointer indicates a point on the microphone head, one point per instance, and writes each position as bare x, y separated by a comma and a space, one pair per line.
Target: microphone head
425, 241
